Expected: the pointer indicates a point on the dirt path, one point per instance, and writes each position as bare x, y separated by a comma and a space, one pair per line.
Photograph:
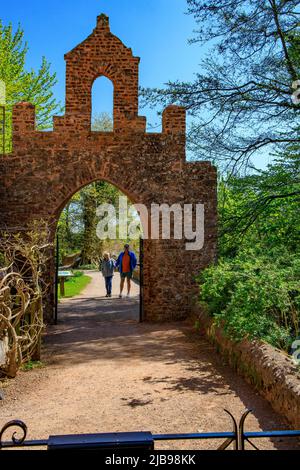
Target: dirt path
105, 372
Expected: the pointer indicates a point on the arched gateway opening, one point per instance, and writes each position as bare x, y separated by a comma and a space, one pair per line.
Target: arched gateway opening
45, 170
98, 220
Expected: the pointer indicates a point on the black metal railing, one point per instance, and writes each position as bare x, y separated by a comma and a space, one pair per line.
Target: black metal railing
238, 438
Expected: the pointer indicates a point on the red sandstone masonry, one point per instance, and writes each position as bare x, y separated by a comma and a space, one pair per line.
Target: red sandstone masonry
268, 369
47, 168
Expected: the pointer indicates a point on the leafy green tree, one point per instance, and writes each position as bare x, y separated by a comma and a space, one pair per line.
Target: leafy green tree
262, 208
241, 98
91, 197
21, 84
254, 290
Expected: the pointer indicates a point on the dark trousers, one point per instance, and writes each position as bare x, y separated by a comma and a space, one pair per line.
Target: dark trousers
108, 284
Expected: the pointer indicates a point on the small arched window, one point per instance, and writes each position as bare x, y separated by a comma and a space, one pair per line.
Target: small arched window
102, 105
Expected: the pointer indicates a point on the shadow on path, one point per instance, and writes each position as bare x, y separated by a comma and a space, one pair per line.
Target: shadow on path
173, 360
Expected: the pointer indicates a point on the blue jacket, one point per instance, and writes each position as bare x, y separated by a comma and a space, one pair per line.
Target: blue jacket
133, 261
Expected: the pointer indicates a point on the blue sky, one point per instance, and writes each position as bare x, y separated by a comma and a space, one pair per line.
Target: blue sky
156, 30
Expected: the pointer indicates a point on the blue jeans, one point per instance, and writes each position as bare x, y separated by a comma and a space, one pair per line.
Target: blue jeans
108, 284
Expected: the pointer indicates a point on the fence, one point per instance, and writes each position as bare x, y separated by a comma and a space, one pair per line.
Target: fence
237, 438
2, 129
2, 116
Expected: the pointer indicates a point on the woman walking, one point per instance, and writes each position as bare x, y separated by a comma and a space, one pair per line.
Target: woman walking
107, 269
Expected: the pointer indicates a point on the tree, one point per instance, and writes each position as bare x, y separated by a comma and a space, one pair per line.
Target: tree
23, 85
102, 123
91, 197
262, 209
241, 99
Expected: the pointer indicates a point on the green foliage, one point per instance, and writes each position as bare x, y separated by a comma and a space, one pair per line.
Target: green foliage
89, 267
78, 222
254, 291
31, 365
23, 85
262, 208
256, 295
293, 39
78, 274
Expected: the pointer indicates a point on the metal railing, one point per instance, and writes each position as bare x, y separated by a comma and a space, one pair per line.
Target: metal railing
142, 440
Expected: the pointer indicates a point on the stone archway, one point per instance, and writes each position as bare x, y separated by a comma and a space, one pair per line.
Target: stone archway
46, 168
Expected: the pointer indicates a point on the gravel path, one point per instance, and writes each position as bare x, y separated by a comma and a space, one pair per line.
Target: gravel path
105, 372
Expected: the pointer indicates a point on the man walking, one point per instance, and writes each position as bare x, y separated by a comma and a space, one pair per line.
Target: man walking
126, 263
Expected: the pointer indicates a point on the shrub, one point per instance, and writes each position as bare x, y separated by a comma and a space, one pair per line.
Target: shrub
255, 295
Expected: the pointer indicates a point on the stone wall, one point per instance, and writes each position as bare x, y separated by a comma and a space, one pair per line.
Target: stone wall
47, 168
268, 369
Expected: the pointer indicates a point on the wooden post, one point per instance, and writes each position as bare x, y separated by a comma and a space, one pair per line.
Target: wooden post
62, 286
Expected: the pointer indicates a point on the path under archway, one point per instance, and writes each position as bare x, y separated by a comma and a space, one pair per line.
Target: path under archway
91, 308
105, 372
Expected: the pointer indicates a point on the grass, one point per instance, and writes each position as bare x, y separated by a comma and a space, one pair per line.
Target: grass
75, 285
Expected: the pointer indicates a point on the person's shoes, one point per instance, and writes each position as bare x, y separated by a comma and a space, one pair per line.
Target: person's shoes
128, 296
120, 296
107, 295
110, 295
